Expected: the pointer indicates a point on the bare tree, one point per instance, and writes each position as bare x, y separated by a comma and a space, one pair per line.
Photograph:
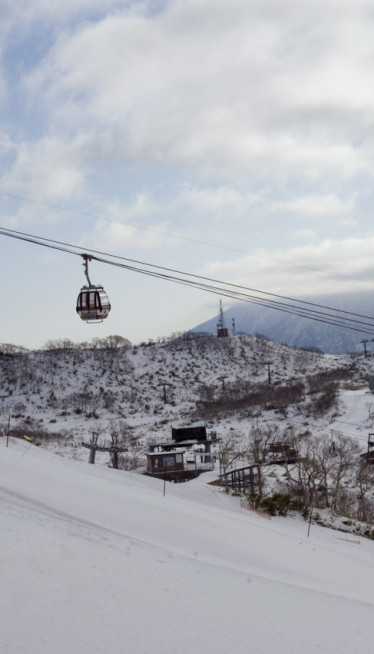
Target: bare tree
119, 439
133, 458
303, 476
344, 452
230, 450
365, 483
257, 449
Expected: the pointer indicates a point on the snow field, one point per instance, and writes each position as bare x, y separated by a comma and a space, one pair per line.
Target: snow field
96, 560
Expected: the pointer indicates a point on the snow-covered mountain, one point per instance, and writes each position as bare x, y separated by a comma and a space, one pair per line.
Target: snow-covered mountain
297, 331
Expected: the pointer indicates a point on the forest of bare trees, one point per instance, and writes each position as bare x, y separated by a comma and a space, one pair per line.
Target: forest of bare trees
303, 470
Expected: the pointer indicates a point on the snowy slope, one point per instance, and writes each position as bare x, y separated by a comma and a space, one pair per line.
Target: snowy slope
96, 560
74, 392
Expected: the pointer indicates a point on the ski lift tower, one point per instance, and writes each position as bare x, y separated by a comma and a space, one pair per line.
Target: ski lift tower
222, 331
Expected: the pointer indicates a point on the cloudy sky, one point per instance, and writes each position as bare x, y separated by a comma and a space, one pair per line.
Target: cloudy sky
229, 139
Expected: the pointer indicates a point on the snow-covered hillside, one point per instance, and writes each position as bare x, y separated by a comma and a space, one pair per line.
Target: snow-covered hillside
97, 560
66, 396
75, 391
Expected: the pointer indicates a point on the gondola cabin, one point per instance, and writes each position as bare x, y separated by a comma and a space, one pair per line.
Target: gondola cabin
93, 304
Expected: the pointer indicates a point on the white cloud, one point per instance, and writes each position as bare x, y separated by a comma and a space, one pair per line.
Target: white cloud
46, 170
303, 235
7, 147
244, 87
115, 237
315, 206
142, 206
328, 266
3, 82
23, 12
222, 201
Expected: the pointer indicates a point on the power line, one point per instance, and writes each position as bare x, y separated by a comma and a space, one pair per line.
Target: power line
302, 308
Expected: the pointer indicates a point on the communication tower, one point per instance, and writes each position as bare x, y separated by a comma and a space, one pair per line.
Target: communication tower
222, 331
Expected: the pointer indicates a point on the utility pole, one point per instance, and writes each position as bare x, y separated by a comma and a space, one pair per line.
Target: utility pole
364, 341
93, 446
268, 364
3, 397
164, 384
311, 509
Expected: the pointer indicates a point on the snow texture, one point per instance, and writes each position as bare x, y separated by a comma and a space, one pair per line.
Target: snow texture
97, 560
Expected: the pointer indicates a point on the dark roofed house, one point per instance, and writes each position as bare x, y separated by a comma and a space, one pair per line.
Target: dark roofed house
183, 457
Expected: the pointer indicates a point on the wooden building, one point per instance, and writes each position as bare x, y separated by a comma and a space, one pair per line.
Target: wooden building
186, 455
159, 463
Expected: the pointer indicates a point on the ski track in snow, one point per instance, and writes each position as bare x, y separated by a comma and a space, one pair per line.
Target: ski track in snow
94, 562
212, 547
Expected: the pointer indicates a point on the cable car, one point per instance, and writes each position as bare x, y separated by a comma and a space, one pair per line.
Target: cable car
93, 302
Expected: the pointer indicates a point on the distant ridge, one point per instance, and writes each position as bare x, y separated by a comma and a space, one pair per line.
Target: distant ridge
296, 331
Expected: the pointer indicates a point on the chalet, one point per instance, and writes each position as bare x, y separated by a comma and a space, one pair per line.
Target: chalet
186, 455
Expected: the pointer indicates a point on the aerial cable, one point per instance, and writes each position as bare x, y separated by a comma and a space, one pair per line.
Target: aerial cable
230, 290
39, 240
231, 294
253, 300
240, 296
272, 304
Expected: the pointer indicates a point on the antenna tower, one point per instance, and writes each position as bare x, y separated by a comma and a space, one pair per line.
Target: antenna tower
222, 331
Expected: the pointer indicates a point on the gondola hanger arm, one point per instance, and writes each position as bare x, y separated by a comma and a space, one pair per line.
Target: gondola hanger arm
86, 259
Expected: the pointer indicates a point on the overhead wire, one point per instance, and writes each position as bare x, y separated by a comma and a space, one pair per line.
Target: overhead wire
39, 239
176, 236
302, 308
244, 297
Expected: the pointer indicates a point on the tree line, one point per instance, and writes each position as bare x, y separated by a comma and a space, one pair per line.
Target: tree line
310, 471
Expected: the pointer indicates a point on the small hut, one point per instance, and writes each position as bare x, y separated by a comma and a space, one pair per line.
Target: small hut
159, 463
183, 457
